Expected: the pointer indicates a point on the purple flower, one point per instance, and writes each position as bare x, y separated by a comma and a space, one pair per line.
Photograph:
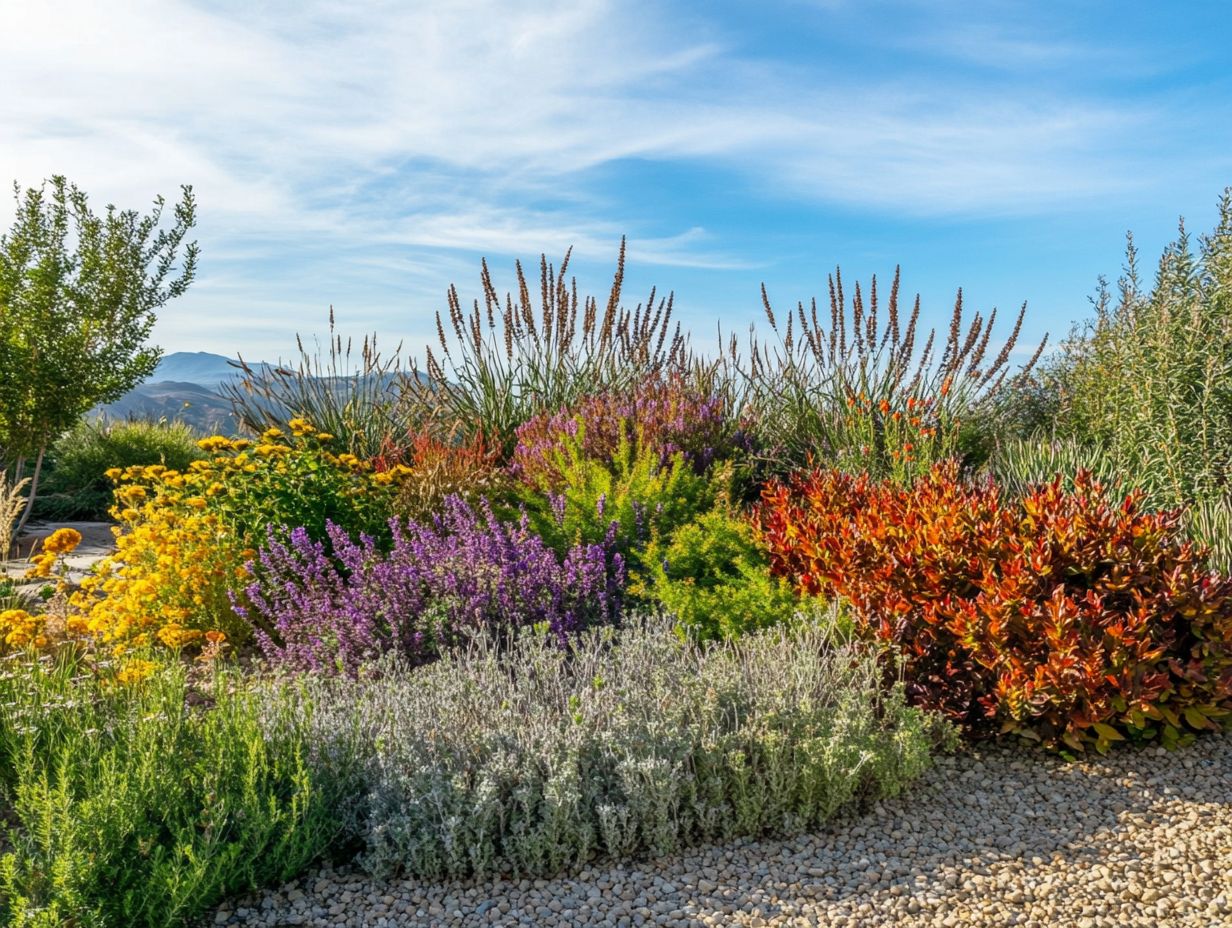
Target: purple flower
465, 570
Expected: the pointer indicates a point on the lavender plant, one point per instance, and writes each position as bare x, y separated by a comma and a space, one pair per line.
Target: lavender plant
465, 570
534, 759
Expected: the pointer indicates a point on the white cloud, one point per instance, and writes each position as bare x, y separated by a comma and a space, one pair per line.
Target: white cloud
459, 125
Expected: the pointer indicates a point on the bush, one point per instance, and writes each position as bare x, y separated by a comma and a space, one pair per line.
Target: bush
1150, 379
1058, 616
664, 418
438, 469
536, 759
466, 571
137, 806
76, 486
185, 536
631, 498
715, 579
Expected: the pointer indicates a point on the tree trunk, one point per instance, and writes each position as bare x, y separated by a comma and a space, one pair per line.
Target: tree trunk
34, 481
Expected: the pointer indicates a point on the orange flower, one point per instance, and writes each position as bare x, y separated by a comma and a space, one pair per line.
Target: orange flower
884, 406
945, 387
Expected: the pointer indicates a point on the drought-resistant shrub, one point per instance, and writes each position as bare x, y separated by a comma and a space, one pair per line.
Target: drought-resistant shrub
138, 806
1018, 464
436, 469
76, 485
860, 395
505, 362
714, 577
1060, 615
666, 418
532, 759
184, 536
467, 570
1150, 379
631, 498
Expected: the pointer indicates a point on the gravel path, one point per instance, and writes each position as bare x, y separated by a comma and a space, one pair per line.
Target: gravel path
994, 838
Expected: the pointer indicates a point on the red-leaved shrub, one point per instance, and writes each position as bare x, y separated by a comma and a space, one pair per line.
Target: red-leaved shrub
1057, 615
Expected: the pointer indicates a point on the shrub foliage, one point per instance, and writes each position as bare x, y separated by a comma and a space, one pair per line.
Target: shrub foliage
1060, 616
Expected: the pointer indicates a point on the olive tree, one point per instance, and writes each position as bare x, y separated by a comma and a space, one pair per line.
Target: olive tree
78, 295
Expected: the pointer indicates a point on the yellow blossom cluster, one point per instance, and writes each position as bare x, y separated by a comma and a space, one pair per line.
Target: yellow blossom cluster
185, 537
19, 629
60, 542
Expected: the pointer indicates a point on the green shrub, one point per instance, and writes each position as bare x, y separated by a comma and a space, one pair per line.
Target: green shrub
1150, 379
76, 486
532, 759
131, 807
715, 579
633, 495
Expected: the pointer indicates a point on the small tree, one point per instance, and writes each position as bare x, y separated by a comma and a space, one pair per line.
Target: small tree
78, 293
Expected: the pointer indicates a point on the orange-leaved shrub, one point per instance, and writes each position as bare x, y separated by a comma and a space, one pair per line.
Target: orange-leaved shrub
436, 469
1057, 615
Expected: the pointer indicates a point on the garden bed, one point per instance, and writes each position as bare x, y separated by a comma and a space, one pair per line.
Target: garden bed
989, 837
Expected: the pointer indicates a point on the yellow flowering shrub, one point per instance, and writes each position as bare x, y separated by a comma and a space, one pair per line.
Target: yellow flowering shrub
20, 629
185, 536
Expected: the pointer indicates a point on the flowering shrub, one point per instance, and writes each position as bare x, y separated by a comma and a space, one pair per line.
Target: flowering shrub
664, 419
465, 570
1059, 616
715, 579
185, 535
630, 499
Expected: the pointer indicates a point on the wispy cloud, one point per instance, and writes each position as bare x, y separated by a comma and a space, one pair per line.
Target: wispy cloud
479, 126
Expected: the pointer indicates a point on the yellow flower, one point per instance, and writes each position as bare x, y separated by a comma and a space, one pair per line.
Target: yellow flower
215, 443
112, 474
135, 672
62, 541
324, 436
42, 566
196, 502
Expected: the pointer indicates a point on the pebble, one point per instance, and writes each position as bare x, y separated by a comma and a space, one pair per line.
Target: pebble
991, 837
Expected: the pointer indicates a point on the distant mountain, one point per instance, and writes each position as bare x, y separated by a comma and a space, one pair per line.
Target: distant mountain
186, 386
198, 367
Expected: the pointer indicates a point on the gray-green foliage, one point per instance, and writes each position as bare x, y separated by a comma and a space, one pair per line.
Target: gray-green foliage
140, 807
1019, 464
531, 759
1150, 379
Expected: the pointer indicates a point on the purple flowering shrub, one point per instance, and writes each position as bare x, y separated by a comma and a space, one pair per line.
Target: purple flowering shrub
665, 419
464, 570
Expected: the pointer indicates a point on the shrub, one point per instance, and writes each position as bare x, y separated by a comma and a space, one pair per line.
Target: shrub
1020, 464
715, 579
1150, 378
860, 395
138, 806
665, 418
1059, 616
185, 536
631, 498
77, 487
466, 571
436, 469
534, 759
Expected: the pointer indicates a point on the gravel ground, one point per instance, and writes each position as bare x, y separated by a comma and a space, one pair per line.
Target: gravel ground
989, 838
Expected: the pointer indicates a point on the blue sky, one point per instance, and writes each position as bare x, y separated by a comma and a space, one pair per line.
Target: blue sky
366, 154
